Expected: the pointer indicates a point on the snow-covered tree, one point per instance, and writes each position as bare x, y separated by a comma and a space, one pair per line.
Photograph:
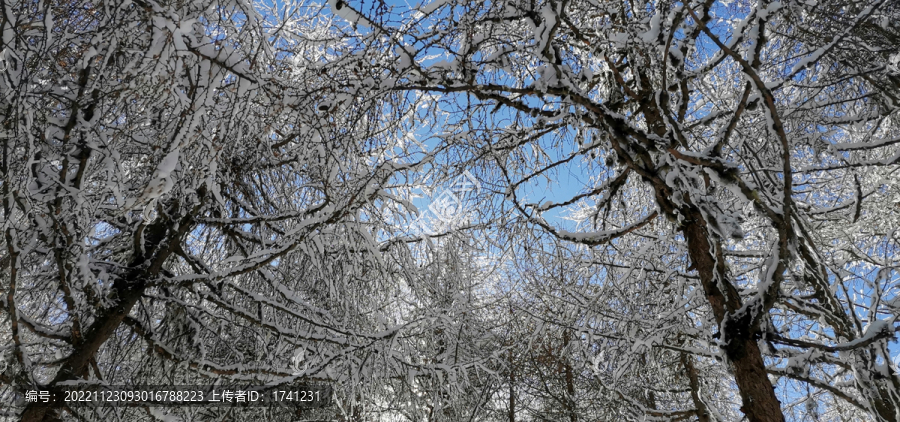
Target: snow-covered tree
195, 192
199, 191
750, 148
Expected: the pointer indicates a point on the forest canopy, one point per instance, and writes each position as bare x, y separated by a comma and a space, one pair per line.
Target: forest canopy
522, 210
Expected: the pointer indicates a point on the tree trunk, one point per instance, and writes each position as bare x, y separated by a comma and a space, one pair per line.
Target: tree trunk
98, 333
701, 411
159, 240
739, 338
757, 394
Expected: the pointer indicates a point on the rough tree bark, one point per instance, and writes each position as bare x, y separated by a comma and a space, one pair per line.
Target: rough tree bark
691, 371
739, 339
